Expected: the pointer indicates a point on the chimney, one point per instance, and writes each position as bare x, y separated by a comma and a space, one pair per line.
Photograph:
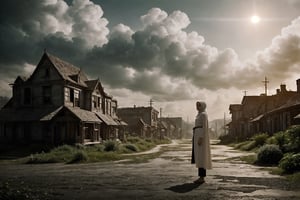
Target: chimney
283, 88
298, 85
277, 91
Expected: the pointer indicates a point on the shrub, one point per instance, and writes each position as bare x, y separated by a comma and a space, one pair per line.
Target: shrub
248, 145
133, 140
98, 147
260, 139
111, 145
131, 147
79, 156
80, 146
271, 140
269, 155
280, 138
294, 139
290, 163
64, 148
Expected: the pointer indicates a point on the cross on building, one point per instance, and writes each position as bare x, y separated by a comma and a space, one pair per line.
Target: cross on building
266, 81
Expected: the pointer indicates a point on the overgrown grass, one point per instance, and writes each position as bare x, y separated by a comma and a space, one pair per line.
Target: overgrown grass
287, 142
250, 159
108, 151
294, 178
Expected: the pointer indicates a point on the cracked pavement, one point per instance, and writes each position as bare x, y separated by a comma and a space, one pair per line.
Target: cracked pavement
169, 176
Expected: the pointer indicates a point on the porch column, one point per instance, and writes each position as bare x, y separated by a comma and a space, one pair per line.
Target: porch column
81, 132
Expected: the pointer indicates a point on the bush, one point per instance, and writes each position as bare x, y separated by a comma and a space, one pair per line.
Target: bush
80, 146
269, 155
98, 147
280, 138
290, 163
260, 139
111, 145
79, 157
133, 140
271, 140
294, 139
64, 148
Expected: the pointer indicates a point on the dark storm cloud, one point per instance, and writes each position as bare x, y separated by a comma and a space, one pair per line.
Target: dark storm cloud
161, 59
163, 46
27, 27
164, 53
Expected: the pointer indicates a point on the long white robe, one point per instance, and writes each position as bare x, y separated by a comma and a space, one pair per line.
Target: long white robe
202, 154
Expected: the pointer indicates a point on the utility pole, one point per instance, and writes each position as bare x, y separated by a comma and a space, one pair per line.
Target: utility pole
216, 129
266, 81
151, 102
160, 112
224, 123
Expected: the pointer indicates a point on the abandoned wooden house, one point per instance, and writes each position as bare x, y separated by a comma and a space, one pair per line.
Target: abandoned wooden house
59, 104
174, 126
269, 114
142, 121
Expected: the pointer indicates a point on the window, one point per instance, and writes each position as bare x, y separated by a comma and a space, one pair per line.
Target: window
27, 96
72, 95
113, 108
47, 93
47, 72
67, 94
76, 98
99, 102
94, 102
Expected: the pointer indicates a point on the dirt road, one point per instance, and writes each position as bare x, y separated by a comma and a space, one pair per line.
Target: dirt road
169, 176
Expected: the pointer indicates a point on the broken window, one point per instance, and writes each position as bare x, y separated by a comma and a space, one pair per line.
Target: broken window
76, 98
47, 93
27, 96
47, 72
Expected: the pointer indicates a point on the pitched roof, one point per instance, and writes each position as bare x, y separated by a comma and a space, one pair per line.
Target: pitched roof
45, 114
293, 101
91, 84
108, 120
28, 114
67, 70
84, 115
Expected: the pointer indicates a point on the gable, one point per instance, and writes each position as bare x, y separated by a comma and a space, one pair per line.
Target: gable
53, 68
45, 71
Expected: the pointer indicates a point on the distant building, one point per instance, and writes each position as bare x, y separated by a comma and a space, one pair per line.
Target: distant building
59, 104
142, 121
270, 114
174, 126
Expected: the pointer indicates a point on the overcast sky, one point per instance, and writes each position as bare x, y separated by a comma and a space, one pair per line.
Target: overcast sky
172, 51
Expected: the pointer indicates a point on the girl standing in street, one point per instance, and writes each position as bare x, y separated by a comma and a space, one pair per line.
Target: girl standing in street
201, 155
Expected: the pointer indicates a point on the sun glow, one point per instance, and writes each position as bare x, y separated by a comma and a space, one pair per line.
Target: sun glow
255, 19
